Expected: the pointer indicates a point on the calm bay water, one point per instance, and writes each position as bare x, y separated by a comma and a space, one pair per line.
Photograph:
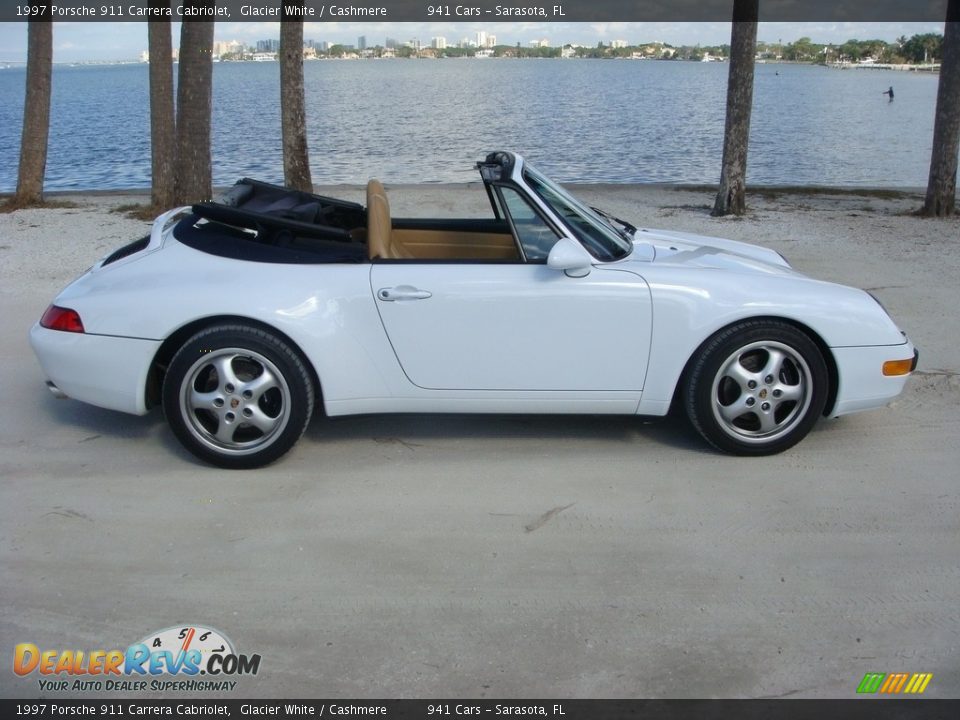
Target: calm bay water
428, 121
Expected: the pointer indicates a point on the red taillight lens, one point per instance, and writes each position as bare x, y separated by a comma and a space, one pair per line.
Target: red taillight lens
58, 318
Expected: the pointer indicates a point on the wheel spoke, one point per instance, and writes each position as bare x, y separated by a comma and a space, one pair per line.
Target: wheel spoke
225, 373
789, 393
259, 385
739, 374
263, 422
768, 423
774, 363
735, 409
225, 432
205, 401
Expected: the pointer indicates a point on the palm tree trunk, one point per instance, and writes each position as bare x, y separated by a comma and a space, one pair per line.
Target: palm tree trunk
194, 107
293, 114
162, 123
731, 197
942, 183
36, 114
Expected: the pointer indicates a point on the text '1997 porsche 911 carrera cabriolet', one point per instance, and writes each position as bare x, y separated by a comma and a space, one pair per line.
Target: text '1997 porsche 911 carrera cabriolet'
240, 316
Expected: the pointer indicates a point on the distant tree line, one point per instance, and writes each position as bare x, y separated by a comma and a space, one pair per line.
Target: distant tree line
917, 49
927, 47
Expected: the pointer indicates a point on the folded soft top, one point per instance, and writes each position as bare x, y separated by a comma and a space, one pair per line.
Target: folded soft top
261, 206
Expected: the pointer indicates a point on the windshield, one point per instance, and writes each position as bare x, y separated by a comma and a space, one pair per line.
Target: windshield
603, 240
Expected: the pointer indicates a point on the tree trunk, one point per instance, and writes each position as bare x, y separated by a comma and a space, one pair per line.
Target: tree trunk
731, 197
194, 106
36, 114
162, 124
942, 183
293, 113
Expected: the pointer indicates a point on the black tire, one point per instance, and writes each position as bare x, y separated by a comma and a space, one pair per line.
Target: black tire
237, 397
756, 388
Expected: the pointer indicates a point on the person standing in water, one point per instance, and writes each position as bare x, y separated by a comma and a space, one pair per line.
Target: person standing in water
889, 92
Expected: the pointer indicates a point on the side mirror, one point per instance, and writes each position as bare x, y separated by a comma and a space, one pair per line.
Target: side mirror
568, 255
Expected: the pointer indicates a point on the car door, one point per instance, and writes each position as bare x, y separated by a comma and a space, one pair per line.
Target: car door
515, 326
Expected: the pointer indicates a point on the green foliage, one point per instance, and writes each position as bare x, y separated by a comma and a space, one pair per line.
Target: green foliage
923, 48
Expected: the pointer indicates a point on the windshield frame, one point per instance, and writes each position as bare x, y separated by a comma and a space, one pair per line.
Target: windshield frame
597, 235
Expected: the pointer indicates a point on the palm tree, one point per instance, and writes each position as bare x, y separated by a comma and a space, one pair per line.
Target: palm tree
194, 107
162, 123
293, 114
942, 183
36, 114
731, 197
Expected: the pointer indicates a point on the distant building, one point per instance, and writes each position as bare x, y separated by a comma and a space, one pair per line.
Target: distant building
544, 43
268, 46
325, 46
483, 39
618, 44
362, 42
231, 47
438, 43
390, 44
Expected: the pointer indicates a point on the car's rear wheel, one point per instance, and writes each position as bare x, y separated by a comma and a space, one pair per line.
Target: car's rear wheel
756, 388
238, 397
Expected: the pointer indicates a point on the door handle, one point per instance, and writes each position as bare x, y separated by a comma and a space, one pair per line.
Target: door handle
402, 292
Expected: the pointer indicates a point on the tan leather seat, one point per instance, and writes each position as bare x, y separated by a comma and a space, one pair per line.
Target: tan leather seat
380, 241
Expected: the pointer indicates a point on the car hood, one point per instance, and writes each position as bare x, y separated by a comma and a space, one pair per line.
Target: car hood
666, 247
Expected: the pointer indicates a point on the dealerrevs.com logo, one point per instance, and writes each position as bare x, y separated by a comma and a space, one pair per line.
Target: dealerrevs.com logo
183, 652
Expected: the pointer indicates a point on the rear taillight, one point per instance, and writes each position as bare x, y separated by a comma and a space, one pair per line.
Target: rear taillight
58, 318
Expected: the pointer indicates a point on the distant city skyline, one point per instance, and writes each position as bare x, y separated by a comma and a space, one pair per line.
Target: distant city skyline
100, 42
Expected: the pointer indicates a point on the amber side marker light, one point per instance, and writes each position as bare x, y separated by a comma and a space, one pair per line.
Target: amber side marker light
892, 368
58, 318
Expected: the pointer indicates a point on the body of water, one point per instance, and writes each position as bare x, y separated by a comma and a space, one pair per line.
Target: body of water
428, 121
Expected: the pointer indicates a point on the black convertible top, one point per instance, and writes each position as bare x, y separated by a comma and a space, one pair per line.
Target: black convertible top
260, 222
264, 207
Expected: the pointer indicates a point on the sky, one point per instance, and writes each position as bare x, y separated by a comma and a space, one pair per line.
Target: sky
92, 41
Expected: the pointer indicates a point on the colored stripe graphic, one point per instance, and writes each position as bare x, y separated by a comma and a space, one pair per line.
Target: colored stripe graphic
894, 683
871, 682
918, 683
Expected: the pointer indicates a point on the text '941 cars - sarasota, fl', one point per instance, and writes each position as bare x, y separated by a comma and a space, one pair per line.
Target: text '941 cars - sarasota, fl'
240, 316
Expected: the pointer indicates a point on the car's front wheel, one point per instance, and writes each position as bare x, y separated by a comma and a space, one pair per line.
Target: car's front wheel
237, 396
756, 388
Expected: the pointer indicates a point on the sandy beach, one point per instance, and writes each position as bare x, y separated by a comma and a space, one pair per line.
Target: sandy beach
393, 556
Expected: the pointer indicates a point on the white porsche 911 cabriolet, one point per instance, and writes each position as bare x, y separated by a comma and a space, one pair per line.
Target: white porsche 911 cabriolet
240, 315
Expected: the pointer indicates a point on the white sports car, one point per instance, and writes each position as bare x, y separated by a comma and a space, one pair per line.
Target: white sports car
240, 315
